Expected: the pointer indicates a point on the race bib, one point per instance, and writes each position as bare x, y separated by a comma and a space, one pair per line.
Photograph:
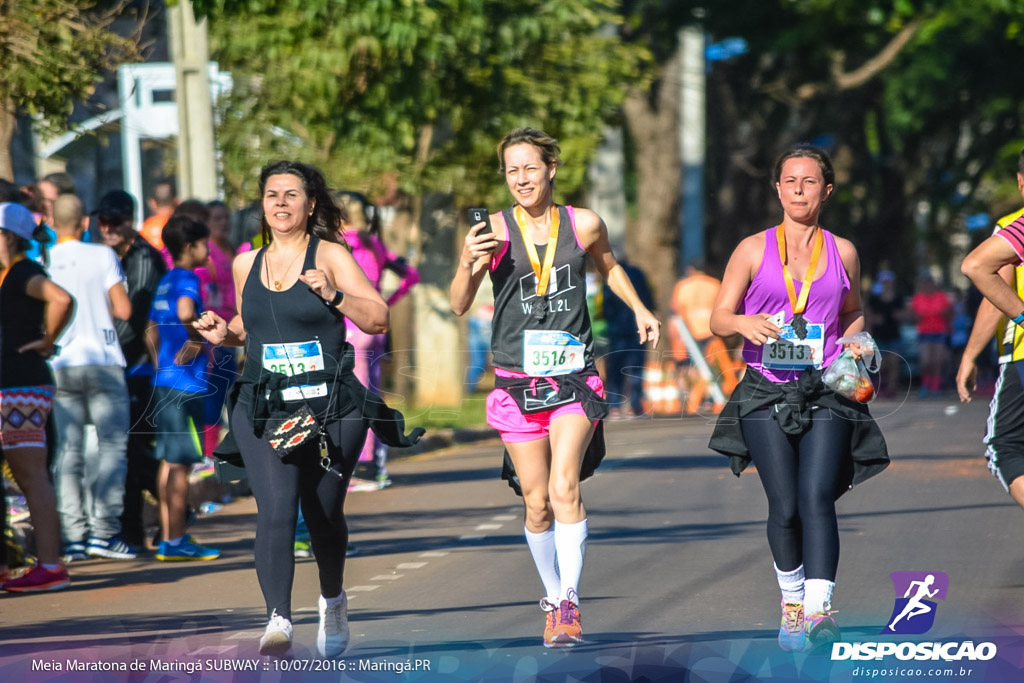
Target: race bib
295, 359
551, 353
790, 352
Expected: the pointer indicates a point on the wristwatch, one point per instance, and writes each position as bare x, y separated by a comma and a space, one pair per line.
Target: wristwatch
339, 295
1019, 319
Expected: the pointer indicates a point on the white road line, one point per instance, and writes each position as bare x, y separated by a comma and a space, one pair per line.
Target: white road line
245, 635
434, 553
386, 577
360, 589
411, 565
487, 527
505, 518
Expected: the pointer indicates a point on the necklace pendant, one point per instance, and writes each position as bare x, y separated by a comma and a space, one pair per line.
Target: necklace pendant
277, 285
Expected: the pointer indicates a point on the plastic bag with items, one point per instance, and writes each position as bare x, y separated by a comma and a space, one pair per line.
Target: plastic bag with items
849, 376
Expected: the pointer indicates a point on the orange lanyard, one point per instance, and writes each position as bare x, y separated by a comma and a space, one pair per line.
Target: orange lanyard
799, 304
543, 273
5, 271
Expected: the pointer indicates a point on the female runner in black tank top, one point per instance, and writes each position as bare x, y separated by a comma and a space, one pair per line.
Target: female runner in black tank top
546, 445
292, 297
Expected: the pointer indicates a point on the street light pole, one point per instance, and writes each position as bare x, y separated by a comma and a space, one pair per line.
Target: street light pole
197, 170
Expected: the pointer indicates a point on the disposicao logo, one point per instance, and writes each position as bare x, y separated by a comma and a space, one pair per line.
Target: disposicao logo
914, 613
916, 592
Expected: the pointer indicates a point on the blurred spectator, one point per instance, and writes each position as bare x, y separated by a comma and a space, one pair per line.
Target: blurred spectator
143, 267
90, 389
162, 204
934, 313
692, 300
479, 329
361, 230
179, 383
33, 313
218, 287
886, 311
624, 364
53, 185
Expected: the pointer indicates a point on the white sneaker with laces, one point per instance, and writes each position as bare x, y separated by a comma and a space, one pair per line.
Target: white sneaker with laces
277, 639
332, 636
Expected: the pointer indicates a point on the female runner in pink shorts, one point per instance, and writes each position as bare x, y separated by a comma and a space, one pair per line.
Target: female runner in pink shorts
549, 398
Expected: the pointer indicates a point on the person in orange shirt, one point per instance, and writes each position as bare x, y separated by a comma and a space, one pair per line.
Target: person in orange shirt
692, 300
162, 204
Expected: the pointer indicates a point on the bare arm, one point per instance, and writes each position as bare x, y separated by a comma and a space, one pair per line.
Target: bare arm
985, 324
120, 304
59, 309
982, 266
474, 261
594, 236
362, 303
740, 271
851, 316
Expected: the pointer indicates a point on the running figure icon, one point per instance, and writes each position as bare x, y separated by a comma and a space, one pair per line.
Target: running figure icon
915, 607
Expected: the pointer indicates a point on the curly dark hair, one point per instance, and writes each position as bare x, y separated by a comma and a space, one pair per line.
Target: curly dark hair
325, 222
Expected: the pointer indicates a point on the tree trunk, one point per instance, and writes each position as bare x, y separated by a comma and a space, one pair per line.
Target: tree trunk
653, 241
8, 123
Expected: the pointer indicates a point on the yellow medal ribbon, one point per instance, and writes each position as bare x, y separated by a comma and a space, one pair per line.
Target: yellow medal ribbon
543, 274
799, 304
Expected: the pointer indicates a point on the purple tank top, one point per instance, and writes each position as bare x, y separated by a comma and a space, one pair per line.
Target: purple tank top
767, 294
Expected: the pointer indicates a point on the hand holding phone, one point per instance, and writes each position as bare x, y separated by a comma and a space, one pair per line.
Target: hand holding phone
479, 215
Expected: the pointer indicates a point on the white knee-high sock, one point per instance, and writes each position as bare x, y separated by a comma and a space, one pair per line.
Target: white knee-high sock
542, 547
791, 584
571, 544
818, 595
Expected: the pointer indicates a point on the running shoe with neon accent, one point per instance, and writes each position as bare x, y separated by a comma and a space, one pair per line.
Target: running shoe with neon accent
186, 551
821, 629
39, 579
277, 639
568, 630
791, 633
302, 549
550, 620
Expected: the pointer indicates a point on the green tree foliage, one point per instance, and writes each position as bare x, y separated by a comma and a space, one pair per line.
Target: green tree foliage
915, 98
52, 53
413, 90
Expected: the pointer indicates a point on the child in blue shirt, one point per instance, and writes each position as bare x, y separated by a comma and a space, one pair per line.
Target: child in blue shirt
179, 384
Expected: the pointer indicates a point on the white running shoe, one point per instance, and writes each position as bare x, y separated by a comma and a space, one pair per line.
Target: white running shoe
332, 636
277, 639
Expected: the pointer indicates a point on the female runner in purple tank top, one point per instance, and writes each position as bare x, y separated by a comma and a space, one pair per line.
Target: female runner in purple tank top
792, 291
549, 399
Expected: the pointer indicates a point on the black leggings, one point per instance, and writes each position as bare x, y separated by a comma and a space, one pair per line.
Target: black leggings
801, 476
280, 485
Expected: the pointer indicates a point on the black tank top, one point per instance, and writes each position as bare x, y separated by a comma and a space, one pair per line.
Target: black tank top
515, 292
296, 317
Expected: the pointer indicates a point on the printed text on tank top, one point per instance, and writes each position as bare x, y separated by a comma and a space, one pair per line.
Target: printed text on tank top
542, 328
546, 353
801, 342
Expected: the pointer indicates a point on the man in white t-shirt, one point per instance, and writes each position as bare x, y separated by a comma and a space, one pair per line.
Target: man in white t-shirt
90, 390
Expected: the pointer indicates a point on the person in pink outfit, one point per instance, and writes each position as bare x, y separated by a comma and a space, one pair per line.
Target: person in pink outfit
362, 234
218, 287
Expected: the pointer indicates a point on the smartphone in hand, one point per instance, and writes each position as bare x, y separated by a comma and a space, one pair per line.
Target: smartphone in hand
480, 216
